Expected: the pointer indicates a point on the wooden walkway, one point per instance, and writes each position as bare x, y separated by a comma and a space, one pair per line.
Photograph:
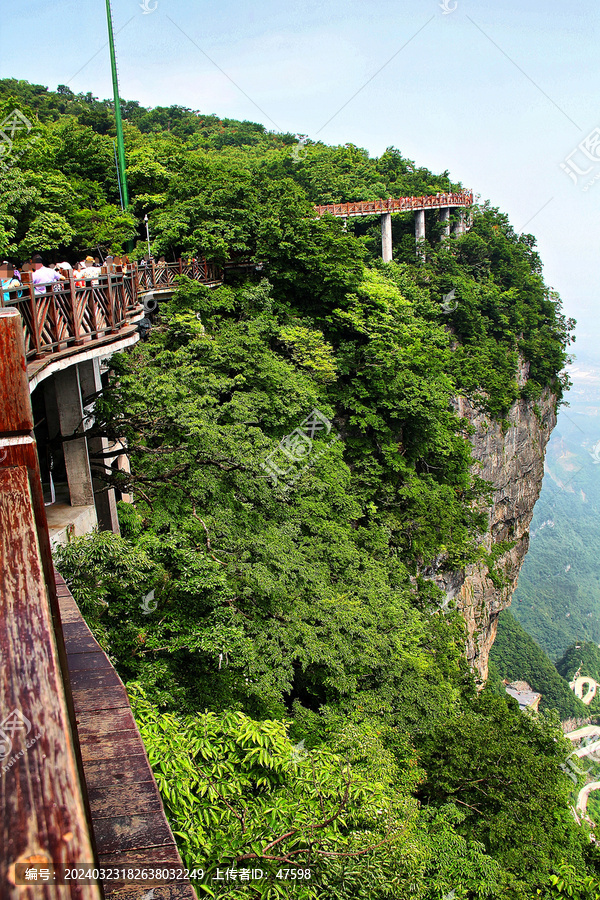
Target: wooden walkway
129, 824
69, 318
400, 204
36, 367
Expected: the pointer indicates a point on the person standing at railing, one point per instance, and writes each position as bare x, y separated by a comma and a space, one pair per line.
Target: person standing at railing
77, 270
43, 276
8, 282
91, 271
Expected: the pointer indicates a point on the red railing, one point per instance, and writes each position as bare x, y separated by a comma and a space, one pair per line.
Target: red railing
73, 312
43, 784
159, 275
377, 207
66, 314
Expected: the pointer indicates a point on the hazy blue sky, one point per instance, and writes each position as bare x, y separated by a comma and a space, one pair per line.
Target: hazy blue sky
497, 93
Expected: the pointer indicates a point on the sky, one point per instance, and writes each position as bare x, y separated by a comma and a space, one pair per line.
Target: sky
502, 94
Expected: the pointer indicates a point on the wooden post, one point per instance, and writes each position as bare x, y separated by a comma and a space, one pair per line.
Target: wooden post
90, 299
44, 814
17, 441
15, 405
112, 325
53, 319
35, 325
73, 302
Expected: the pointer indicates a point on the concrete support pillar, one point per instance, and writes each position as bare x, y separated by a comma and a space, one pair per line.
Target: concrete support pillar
460, 226
70, 414
106, 504
445, 220
386, 237
420, 233
124, 466
51, 407
51, 451
89, 378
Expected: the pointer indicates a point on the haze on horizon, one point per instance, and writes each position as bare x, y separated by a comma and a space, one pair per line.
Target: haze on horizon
499, 94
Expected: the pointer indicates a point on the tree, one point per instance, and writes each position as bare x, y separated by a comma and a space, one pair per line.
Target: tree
239, 793
518, 657
503, 769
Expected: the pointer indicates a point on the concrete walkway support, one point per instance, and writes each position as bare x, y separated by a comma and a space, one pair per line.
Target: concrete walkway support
106, 504
384, 208
70, 415
461, 226
445, 219
420, 225
386, 237
420, 233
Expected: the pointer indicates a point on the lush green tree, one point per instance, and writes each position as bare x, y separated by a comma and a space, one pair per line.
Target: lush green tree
305, 602
582, 657
504, 770
240, 794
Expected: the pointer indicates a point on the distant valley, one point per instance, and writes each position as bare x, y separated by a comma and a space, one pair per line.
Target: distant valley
557, 600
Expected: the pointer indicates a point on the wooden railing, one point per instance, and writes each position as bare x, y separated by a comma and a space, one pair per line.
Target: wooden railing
401, 204
67, 314
157, 275
76, 785
45, 813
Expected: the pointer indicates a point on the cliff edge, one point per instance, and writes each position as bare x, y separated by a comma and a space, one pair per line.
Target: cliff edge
512, 460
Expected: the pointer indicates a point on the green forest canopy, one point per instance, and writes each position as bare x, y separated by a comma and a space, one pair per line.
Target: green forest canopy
297, 673
518, 657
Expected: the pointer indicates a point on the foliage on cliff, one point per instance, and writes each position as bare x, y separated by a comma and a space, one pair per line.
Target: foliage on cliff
290, 667
231, 190
583, 657
298, 599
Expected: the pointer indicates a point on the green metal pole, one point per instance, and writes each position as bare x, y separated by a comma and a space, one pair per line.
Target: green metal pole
118, 120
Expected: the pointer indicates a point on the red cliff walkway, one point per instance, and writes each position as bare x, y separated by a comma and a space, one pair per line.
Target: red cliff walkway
418, 205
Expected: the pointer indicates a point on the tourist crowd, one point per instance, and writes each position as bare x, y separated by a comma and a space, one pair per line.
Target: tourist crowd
87, 270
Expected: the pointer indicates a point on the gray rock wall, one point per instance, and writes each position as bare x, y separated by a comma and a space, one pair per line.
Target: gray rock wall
513, 462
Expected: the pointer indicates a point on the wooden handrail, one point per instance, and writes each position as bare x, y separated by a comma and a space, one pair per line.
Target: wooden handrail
70, 312
45, 816
400, 204
158, 275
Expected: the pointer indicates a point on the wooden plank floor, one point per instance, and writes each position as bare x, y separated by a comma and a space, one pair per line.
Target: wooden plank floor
130, 827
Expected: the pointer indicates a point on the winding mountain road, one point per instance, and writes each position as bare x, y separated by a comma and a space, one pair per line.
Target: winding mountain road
586, 731
584, 793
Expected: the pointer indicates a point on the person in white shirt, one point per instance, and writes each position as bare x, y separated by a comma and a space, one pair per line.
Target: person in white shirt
90, 270
42, 275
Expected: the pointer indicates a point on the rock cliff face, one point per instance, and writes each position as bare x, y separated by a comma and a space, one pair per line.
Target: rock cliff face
513, 461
